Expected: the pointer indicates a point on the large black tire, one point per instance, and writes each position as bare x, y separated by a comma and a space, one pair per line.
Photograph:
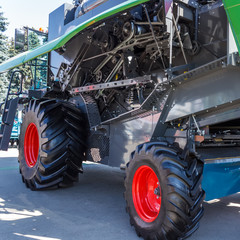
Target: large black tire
52, 144
163, 192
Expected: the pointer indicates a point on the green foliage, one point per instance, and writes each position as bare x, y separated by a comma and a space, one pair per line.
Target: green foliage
25, 68
3, 22
3, 86
3, 38
3, 55
7, 50
38, 73
33, 40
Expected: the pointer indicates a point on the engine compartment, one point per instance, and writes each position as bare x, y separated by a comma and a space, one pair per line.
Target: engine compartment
140, 43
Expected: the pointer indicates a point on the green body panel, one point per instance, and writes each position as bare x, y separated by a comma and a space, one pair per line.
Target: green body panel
232, 8
59, 42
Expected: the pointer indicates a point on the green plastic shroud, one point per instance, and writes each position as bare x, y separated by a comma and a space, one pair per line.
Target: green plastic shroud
232, 8
59, 42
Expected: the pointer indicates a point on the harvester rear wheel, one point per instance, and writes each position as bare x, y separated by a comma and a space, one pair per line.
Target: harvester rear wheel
163, 192
50, 154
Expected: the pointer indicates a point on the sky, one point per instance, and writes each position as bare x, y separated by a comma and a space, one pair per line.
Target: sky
31, 13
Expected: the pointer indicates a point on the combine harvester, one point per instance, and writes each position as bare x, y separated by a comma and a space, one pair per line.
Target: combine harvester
157, 81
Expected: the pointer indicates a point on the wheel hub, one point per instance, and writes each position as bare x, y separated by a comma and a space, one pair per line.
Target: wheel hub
146, 193
31, 145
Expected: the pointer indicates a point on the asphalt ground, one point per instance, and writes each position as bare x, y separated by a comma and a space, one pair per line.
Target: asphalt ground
94, 208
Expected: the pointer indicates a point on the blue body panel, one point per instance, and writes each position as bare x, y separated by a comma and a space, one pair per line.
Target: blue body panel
221, 179
16, 129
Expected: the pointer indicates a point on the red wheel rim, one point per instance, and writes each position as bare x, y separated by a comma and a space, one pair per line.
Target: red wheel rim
31, 145
146, 193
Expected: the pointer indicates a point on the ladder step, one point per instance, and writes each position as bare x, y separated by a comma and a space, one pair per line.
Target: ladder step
7, 123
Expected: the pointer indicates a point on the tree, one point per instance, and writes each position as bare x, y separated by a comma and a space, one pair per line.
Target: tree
25, 69
7, 50
33, 40
38, 69
3, 38
11, 48
3, 55
28, 71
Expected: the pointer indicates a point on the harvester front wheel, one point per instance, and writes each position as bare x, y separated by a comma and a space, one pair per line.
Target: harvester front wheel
48, 153
163, 192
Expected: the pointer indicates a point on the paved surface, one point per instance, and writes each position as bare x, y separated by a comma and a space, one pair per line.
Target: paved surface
93, 209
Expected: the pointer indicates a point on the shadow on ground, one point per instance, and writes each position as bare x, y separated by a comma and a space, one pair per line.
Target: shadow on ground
93, 208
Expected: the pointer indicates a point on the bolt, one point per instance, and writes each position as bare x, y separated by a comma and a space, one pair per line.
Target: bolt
157, 191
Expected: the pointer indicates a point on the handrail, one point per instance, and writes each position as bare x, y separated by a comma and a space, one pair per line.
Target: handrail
9, 88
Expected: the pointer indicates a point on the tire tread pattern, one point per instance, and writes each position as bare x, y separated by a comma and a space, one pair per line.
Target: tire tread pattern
184, 193
60, 155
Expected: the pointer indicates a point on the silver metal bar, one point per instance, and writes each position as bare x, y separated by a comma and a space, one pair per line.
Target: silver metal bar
105, 61
115, 84
144, 39
111, 75
154, 36
222, 160
180, 40
114, 71
195, 122
147, 23
102, 64
171, 45
111, 53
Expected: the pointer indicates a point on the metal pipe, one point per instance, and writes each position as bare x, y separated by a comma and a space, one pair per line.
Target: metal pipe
180, 40
154, 36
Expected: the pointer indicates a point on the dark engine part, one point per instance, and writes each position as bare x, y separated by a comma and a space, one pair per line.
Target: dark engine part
137, 43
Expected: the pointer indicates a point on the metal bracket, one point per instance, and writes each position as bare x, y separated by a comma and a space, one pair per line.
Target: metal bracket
115, 84
154, 36
190, 146
196, 124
